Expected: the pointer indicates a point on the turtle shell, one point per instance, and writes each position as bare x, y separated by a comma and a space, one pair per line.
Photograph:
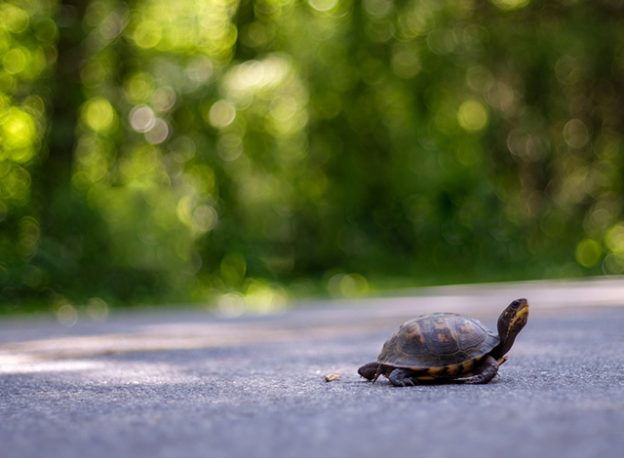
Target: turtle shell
438, 340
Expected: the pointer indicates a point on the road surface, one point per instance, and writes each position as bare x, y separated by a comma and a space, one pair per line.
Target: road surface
192, 384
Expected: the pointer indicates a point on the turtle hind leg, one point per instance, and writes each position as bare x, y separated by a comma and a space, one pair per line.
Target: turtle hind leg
401, 377
486, 372
369, 371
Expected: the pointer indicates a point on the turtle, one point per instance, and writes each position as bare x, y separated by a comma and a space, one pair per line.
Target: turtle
447, 348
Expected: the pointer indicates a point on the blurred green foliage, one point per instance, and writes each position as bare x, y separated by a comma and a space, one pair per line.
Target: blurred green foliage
238, 150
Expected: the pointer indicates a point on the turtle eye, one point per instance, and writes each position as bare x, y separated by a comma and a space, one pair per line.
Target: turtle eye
518, 302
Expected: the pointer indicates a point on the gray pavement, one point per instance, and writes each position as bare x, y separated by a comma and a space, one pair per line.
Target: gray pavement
191, 384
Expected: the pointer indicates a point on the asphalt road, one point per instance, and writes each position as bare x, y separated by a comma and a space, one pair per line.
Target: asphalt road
190, 384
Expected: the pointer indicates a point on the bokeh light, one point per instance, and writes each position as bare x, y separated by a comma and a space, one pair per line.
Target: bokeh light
221, 114
509, 5
472, 116
588, 253
99, 115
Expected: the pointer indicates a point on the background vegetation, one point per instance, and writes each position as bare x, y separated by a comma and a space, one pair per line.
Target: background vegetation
238, 151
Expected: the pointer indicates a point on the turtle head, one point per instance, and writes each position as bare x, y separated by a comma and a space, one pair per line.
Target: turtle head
370, 371
510, 323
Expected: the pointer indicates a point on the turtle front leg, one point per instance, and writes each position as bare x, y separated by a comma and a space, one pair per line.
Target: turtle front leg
486, 372
401, 377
